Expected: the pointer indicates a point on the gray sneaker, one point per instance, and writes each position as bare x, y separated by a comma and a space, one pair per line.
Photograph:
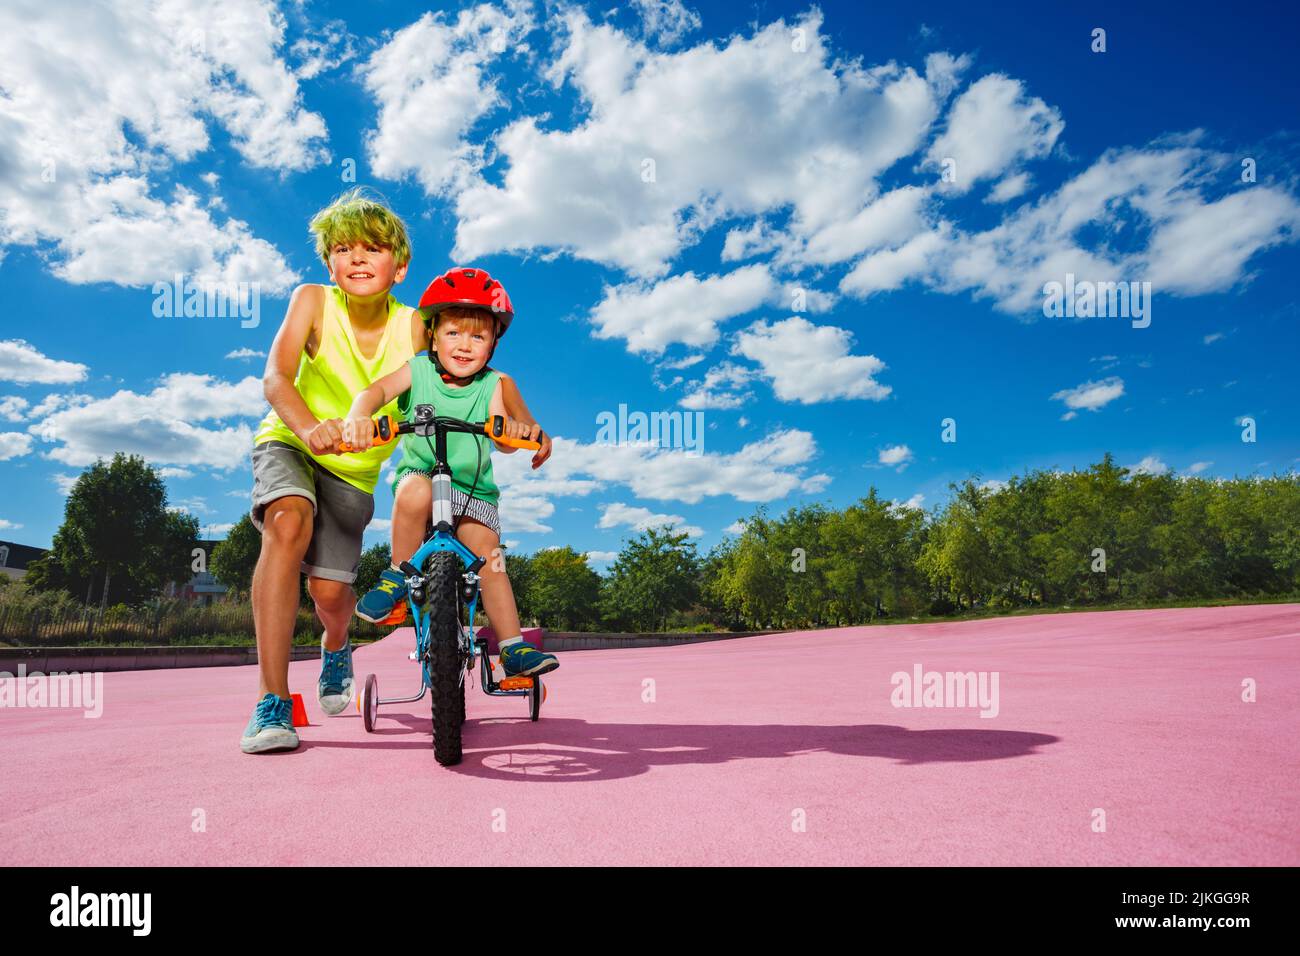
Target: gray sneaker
271, 726
334, 689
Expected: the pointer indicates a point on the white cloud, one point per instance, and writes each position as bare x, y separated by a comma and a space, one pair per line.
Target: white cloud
736, 527
64, 482
158, 73
888, 269
993, 484
765, 469
6, 525
600, 557
899, 455
1193, 242
1197, 467
993, 126
641, 519
245, 353
14, 445
379, 526
829, 127
13, 408
913, 503
1007, 189
1150, 465
889, 221
1090, 395
430, 82
524, 512
324, 49
170, 472
160, 426
666, 20
22, 362
722, 387
1204, 247
809, 363
682, 309
210, 531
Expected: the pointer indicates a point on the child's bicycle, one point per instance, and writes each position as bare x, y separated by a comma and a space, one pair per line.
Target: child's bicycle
442, 593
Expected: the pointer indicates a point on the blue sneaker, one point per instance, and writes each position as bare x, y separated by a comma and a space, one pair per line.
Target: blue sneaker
523, 660
334, 689
379, 602
271, 726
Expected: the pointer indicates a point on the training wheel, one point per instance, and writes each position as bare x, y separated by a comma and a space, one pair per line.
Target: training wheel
368, 702
536, 697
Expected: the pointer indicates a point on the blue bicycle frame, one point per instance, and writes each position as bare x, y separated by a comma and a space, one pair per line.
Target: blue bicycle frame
444, 539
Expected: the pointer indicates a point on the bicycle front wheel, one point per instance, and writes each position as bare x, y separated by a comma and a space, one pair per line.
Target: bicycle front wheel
441, 589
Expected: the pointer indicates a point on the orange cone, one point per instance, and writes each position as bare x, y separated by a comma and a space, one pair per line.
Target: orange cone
299, 711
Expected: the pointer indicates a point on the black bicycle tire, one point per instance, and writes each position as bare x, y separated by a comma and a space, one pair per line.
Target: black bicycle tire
441, 582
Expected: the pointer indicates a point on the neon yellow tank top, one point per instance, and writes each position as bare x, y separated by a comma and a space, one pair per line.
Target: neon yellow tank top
329, 382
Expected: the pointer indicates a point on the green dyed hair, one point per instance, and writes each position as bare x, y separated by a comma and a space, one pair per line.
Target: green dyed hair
358, 216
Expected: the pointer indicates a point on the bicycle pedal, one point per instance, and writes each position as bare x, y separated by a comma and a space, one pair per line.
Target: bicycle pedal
397, 617
515, 683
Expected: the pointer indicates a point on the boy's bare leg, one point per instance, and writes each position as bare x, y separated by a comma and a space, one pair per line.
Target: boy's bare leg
286, 533
335, 602
412, 506
498, 598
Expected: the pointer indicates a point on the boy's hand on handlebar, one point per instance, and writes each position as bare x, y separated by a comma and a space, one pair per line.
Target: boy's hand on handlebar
518, 429
359, 432
325, 437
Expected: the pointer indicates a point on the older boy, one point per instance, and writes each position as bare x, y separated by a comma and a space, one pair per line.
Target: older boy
311, 503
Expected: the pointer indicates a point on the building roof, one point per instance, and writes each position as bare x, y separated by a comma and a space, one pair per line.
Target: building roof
20, 555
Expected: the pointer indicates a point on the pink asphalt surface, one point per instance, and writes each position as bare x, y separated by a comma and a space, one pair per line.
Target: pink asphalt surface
1136, 713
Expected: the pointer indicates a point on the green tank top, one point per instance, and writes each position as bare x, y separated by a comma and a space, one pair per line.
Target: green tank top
329, 382
472, 403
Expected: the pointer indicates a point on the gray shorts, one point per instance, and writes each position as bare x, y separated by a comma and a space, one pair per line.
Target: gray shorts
340, 511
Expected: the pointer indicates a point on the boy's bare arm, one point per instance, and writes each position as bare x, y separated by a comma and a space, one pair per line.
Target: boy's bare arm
496, 406
419, 333
297, 334
515, 408
358, 430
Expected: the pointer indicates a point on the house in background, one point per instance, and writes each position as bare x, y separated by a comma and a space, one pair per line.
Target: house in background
203, 588
15, 557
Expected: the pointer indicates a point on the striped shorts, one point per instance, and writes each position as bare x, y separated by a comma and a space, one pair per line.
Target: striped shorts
478, 509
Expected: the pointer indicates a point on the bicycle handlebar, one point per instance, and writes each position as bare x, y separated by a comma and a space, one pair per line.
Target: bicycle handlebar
387, 428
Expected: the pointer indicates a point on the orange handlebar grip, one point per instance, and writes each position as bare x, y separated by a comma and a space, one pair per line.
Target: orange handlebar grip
385, 431
495, 428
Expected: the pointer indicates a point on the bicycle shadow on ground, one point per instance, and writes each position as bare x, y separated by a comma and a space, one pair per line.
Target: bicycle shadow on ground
563, 749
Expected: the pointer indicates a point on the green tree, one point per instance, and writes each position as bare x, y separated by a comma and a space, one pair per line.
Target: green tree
118, 535
234, 559
563, 590
655, 574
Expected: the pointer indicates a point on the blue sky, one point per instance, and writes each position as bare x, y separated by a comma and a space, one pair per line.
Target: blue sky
919, 173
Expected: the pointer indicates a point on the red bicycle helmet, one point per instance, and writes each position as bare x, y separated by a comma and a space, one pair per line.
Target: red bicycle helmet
468, 288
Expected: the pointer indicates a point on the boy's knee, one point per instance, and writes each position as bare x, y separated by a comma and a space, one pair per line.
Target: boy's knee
288, 524
413, 493
330, 596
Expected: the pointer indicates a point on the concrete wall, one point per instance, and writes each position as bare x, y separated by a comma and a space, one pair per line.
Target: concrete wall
82, 659
582, 641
